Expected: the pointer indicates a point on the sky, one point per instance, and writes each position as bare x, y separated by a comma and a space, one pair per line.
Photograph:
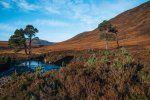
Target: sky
58, 20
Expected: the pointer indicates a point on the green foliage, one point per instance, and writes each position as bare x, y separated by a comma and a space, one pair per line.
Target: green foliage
113, 30
124, 51
17, 40
119, 60
127, 59
117, 63
32, 97
6, 60
30, 31
38, 70
122, 58
106, 53
92, 60
144, 75
105, 25
14, 75
105, 58
79, 59
1, 59
107, 37
108, 32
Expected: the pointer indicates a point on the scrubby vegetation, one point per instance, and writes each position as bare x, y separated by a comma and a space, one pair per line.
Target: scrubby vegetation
92, 75
6, 59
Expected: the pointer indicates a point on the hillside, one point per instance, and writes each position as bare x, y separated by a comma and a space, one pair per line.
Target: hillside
3, 44
39, 42
133, 26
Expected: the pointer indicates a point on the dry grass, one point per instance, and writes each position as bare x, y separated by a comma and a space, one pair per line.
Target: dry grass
78, 80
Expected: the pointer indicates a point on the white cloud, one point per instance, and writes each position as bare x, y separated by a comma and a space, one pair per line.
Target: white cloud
25, 5
7, 27
42, 23
51, 23
5, 4
94, 12
53, 10
6, 30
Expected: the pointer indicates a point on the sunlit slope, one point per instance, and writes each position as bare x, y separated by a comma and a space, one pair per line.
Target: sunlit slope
134, 31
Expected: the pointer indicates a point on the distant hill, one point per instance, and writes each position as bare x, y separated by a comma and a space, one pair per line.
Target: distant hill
36, 42
133, 26
39, 42
3, 44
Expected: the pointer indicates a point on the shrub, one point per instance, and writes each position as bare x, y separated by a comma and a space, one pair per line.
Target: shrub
32, 97
38, 70
124, 51
6, 59
126, 57
14, 75
144, 75
105, 58
1, 59
63, 64
92, 60
117, 63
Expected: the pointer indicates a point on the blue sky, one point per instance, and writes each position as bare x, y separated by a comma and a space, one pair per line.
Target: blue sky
59, 20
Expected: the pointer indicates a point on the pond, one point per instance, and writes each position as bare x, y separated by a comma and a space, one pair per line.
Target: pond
33, 64
27, 67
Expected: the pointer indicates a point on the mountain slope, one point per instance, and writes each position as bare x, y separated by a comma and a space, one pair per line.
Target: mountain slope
133, 26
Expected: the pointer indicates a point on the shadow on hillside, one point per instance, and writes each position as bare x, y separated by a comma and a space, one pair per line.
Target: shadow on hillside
64, 61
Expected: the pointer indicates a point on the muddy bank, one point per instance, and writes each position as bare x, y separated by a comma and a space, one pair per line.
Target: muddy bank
67, 56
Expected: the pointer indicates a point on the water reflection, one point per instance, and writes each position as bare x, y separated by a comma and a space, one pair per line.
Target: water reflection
28, 66
35, 63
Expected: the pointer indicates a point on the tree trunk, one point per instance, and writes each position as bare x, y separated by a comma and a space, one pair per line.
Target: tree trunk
106, 45
25, 48
118, 43
30, 46
106, 40
117, 40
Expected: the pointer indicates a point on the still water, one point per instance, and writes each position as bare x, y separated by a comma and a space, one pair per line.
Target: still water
35, 63
28, 66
